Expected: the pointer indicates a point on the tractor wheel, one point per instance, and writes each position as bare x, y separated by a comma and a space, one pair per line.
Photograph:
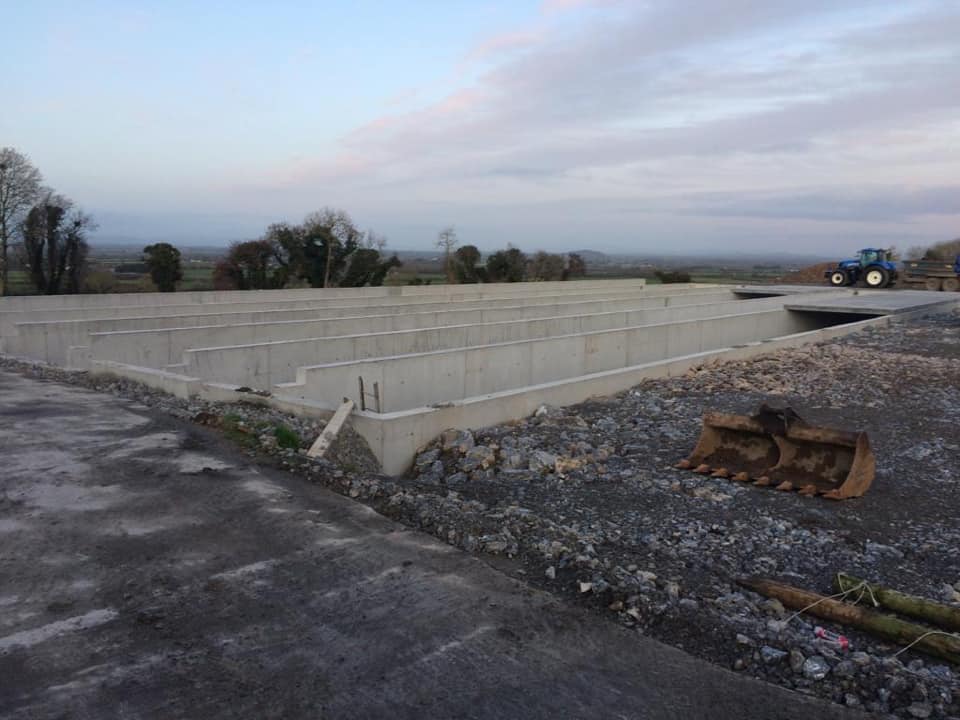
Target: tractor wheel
932, 283
876, 277
951, 284
838, 278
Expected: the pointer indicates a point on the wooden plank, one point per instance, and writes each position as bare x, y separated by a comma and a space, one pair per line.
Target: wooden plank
330, 432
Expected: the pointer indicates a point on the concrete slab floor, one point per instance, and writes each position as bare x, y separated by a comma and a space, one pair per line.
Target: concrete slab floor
863, 301
147, 570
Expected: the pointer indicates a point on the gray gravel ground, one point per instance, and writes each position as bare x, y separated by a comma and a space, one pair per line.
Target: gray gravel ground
585, 502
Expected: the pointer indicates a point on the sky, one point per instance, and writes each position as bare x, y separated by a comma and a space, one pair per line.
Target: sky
669, 126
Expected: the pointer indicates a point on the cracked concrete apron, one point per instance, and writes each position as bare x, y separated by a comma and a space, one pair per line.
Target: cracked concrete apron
148, 571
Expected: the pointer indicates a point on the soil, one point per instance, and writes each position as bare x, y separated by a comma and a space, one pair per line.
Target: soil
812, 275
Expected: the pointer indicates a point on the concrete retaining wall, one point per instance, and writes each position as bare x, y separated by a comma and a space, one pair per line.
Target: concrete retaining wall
416, 380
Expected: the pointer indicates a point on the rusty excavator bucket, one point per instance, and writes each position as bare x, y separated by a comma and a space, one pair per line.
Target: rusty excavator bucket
776, 447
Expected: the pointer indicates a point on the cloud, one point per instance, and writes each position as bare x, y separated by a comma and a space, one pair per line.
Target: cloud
503, 43
550, 7
855, 205
789, 104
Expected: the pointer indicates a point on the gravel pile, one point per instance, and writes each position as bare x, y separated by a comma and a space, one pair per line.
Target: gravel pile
810, 275
585, 502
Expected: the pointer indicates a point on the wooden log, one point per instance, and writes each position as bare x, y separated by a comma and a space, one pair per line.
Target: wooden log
330, 432
911, 605
877, 623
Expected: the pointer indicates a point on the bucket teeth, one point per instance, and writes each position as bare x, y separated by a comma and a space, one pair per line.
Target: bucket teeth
775, 447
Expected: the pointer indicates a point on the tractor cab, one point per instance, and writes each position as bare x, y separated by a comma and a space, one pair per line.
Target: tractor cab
869, 256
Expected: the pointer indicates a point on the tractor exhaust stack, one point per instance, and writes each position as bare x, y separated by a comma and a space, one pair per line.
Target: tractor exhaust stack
776, 447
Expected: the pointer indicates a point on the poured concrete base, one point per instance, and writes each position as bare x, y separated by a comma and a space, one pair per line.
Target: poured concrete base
395, 437
440, 357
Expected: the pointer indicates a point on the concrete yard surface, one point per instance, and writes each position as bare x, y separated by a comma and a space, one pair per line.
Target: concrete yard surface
149, 571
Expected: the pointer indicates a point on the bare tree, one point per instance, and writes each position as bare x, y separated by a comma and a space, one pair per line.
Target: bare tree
375, 241
447, 240
331, 231
20, 186
55, 245
545, 266
576, 267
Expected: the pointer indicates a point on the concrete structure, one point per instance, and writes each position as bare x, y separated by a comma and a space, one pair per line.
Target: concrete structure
174, 346
432, 357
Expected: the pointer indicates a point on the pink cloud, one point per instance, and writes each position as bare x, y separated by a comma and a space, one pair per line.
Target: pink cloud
610, 105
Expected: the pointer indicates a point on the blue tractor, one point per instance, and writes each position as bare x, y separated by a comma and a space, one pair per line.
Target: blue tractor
872, 265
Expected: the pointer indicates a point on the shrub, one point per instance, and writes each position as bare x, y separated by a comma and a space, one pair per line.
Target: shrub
286, 438
672, 276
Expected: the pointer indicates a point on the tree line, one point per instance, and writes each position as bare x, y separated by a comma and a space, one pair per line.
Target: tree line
45, 230
48, 234
463, 264
325, 250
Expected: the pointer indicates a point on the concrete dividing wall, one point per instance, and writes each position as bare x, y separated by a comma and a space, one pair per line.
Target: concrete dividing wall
416, 380
51, 340
159, 347
262, 365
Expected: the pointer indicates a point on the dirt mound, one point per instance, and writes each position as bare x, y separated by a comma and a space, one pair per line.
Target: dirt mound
811, 275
